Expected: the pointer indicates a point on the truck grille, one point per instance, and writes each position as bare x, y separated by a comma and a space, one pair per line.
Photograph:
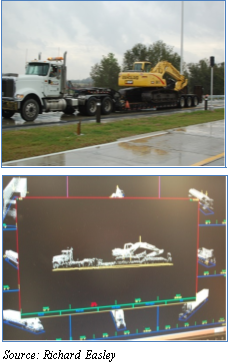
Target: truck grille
8, 86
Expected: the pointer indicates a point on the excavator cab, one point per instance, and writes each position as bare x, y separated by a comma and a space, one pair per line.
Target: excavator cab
142, 67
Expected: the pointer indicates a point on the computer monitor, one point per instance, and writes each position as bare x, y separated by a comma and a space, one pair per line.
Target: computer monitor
100, 258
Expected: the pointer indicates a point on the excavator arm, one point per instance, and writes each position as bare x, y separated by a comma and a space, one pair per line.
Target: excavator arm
164, 67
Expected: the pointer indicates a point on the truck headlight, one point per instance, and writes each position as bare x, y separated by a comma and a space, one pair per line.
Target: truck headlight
19, 96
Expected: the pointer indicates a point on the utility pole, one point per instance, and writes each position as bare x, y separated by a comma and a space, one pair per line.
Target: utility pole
212, 63
182, 28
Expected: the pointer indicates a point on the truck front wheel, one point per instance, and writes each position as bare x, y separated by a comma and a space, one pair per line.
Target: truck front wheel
7, 114
30, 110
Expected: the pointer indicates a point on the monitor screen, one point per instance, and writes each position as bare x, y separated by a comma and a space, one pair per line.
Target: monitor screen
114, 258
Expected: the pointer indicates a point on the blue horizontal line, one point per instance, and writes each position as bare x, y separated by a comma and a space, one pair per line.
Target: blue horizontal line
212, 224
215, 275
11, 291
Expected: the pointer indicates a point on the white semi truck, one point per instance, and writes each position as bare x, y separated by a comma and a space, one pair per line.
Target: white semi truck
66, 260
190, 307
204, 200
206, 256
13, 317
12, 256
43, 89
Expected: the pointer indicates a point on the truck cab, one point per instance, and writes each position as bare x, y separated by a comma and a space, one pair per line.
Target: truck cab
41, 89
45, 76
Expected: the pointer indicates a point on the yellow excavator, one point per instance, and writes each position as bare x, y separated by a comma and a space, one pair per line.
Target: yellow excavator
161, 86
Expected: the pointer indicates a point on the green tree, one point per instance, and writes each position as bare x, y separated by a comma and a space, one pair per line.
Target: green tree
199, 74
136, 54
218, 79
154, 53
159, 51
105, 73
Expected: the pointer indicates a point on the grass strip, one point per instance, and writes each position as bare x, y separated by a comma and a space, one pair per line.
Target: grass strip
32, 142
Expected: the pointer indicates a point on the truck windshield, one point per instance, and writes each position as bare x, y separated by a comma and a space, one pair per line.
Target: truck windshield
37, 69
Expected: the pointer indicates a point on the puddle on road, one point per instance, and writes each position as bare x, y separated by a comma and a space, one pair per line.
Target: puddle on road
180, 130
141, 149
142, 140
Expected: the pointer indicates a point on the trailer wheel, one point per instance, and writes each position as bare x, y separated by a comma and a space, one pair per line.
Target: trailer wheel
106, 105
91, 106
30, 110
195, 101
182, 102
189, 102
7, 114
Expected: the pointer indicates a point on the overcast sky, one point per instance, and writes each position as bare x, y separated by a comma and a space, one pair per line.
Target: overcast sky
87, 30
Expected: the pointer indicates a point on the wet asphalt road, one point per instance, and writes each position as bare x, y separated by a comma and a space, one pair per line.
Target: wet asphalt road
59, 118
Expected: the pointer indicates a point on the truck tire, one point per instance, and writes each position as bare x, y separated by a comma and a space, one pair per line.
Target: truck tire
195, 101
69, 110
7, 114
55, 265
30, 110
182, 102
106, 105
91, 106
189, 101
